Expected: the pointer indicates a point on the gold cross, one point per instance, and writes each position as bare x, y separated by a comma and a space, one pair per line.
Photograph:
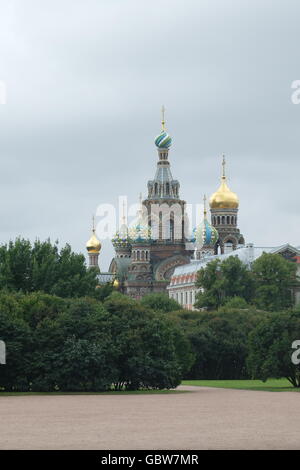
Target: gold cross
223, 164
163, 117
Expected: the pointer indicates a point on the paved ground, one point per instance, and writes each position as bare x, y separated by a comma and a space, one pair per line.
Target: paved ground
206, 418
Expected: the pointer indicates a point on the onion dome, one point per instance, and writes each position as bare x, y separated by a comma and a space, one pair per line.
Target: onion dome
224, 198
205, 235
140, 232
93, 245
163, 140
121, 238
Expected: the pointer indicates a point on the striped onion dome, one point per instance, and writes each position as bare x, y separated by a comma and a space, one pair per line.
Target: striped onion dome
205, 235
163, 140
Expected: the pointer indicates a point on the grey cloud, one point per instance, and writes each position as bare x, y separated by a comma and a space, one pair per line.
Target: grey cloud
85, 84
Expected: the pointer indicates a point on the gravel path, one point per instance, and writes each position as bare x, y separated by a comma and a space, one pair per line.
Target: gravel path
205, 418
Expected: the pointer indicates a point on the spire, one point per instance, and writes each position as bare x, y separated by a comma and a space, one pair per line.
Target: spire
223, 170
163, 122
204, 203
140, 209
140, 231
123, 214
163, 141
163, 186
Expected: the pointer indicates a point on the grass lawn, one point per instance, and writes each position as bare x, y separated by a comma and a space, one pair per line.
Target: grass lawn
271, 385
135, 392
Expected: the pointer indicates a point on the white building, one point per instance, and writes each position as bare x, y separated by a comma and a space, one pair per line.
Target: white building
182, 286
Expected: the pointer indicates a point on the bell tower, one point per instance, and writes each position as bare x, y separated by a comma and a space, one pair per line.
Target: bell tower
93, 247
224, 207
165, 209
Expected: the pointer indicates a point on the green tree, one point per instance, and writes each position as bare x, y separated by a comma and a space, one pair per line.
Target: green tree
41, 266
274, 278
160, 302
147, 346
220, 281
270, 348
219, 341
15, 375
72, 350
103, 291
236, 303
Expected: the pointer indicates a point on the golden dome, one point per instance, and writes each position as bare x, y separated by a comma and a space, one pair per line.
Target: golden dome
224, 198
93, 245
116, 283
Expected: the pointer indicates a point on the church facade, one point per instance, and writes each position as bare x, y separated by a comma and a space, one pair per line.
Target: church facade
147, 253
158, 253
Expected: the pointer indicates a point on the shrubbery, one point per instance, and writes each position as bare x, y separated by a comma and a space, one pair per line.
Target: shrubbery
63, 333
85, 345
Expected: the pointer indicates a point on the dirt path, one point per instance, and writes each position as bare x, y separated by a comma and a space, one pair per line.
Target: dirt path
206, 418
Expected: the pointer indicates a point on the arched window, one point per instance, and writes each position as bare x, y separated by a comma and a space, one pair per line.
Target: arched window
228, 220
160, 226
172, 226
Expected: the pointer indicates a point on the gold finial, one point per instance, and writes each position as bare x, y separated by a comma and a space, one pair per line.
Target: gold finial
204, 203
223, 164
163, 118
93, 226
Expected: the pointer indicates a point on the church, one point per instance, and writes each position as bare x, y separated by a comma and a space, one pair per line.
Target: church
159, 252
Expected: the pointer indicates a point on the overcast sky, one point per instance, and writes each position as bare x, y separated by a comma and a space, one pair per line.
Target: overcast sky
85, 83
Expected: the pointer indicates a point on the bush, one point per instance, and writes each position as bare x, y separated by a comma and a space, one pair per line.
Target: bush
85, 345
270, 348
160, 303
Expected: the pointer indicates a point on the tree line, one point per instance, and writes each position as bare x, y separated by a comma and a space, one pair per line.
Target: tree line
64, 334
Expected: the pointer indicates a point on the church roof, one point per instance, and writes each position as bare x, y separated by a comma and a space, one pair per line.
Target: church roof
122, 265
246, 254
286, 247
